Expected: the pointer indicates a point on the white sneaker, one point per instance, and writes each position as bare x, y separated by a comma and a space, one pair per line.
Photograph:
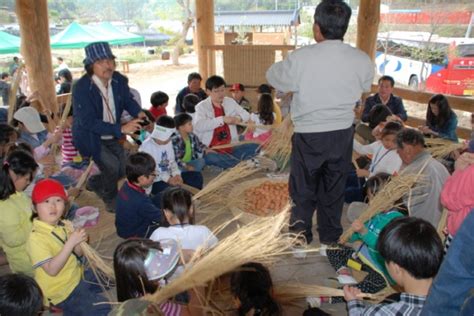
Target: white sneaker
299, 252
313, 301
322, 250
346, 279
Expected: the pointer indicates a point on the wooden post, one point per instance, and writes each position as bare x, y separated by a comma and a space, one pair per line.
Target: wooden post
368, 26
35, 48
205, 36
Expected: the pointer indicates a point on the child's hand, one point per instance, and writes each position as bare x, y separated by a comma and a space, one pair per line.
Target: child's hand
176, 180
189, 168
73, 192
77, 236
351, 293
56, 137
357, 226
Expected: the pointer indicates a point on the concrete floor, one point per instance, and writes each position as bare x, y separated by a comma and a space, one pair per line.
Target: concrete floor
314, 269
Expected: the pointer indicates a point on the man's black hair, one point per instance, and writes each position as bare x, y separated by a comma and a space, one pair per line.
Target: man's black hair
181, 119
387, 78
5, 75
15, 59
410, 136
59, 58
332, 17
158, 98
165, 121
214, 82
139, 164
189, 102
20, 295
194, 75
413, 244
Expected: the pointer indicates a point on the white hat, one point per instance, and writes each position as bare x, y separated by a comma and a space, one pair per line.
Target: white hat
162, 133
30, 117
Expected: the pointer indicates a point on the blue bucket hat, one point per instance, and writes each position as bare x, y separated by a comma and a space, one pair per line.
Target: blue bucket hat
97, 51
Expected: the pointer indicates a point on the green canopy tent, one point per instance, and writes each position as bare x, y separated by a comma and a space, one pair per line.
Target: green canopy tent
123, 36
79, 36
9, 43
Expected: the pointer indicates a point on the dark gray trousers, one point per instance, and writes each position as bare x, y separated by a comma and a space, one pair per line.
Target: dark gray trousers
319, 166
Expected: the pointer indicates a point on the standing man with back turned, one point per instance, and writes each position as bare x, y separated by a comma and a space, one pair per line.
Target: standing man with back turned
326, 80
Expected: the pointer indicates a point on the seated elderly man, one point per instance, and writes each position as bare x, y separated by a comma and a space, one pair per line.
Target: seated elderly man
424, 199
215, 124
385, 97
194, 87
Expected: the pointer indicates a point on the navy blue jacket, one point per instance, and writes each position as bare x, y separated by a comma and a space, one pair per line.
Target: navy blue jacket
135, 212
88, 125
395, 104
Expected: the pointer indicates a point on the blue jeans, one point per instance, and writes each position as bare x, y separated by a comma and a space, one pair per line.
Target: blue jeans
451, 289
197, 164
225, 160
192, 178
82, 299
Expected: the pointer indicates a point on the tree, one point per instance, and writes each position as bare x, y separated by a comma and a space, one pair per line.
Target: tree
186, 23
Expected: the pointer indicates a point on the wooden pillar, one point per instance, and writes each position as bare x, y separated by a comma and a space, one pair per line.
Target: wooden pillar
205, 37
35, 48
368, 26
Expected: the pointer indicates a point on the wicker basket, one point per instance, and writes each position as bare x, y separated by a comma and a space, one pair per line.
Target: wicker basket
239, 191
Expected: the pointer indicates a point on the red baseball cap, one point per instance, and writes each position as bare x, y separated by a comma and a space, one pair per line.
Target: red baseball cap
237, 87
47, 188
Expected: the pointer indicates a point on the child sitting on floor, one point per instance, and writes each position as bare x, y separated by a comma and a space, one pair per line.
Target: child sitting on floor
16, 172
159, 102
20, 295
56, 254
159, 146
265, 116
191, 154
366, 255
189, 103
141, 266
251, 286
137, 215
177, 204
413, 252
384, 159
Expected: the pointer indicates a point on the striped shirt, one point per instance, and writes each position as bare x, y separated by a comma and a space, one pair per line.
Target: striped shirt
170, 309
408, 305
68, 150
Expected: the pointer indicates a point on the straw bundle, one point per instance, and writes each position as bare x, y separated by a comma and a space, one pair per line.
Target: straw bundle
13, 91
441, 148
104, 272
211, 199
386, 198
289, 292
260, 241
278, 145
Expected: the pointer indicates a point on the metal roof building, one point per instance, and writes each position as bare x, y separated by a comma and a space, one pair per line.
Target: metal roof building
257, 18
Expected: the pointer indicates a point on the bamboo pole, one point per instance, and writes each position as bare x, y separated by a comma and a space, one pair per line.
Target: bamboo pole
35, 48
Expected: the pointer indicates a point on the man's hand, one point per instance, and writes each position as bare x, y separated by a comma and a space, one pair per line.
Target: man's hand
232, 120
350, 293
131, 127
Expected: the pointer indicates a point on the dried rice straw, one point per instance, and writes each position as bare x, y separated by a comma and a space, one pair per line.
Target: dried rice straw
13, 90
289, 292
260, 241
244, 142
442, 224
386, 198
440, 148
95, 261
278, 145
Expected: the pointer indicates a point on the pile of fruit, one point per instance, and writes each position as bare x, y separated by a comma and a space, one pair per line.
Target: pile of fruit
268, 198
